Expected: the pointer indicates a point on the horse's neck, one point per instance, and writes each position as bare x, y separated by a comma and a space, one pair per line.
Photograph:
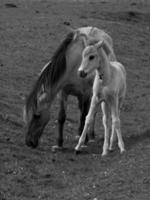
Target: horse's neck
104, 67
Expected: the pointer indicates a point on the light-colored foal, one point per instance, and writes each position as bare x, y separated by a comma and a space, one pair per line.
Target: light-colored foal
109, 88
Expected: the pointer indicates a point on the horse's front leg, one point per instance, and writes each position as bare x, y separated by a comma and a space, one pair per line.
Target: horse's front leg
84, 108
61, 120
88, 122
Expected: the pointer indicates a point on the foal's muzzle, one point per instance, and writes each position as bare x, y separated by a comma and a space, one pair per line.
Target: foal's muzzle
82, 74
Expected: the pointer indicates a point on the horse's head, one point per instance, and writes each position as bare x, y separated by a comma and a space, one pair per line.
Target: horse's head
90, 59
36, 116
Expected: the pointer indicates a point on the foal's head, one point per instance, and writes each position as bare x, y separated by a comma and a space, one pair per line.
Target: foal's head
90, 59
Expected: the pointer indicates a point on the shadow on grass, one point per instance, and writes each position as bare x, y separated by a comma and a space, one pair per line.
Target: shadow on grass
96, 146
131, 141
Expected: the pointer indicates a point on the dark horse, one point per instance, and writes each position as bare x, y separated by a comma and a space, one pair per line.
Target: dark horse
60, 74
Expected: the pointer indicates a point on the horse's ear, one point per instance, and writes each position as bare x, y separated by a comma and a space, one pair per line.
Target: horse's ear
76, 34
85, 40
84, 37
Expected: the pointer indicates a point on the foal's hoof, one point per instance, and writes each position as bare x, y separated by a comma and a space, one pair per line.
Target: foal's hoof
77, 152
111, 150
104, 154
56, 148
122, 151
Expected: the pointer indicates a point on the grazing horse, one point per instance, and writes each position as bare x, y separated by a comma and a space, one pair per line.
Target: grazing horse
109, 88
60, 74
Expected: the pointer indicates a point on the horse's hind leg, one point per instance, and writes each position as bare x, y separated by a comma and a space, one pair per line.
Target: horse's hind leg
61, 120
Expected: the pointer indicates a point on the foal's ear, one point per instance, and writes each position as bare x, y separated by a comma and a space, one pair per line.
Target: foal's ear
99, 44
107, 48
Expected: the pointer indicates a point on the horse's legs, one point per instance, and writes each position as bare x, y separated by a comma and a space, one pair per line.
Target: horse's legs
61, 118
84, 108
106, 124
116, 123
89, 121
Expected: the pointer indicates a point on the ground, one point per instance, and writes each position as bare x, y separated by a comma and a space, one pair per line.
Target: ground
30, 32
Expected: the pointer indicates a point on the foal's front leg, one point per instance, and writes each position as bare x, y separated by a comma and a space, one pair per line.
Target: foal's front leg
88, 121
106, 123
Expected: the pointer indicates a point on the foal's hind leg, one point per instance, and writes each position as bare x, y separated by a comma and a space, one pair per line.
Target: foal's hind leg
61, 120
113, 131
116, 123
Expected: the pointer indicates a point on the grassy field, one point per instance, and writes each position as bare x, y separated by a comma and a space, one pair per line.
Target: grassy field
30, 32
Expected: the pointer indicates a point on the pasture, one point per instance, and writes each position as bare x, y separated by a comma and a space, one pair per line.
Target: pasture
30, 32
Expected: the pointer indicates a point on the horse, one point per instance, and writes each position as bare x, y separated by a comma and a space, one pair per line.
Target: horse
109, 89
60, 75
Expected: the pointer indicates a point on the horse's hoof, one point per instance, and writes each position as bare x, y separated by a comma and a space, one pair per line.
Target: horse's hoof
56, 148
91, 141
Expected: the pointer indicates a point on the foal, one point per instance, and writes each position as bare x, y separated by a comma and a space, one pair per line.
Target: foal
109, 88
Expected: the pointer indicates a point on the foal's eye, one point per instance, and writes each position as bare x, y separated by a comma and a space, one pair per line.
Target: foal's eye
91, 57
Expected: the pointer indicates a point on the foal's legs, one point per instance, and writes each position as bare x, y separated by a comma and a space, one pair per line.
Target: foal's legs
116, 123
113, 133
106, 122
89, 121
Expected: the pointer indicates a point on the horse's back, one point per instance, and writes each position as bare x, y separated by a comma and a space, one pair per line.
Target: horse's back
96, 34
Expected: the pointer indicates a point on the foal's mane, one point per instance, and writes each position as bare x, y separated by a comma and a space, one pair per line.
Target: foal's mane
51, 74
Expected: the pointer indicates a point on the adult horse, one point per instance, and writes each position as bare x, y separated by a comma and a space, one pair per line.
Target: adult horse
60, 74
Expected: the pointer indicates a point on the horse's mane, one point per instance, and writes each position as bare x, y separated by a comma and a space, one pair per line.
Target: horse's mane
51, 73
